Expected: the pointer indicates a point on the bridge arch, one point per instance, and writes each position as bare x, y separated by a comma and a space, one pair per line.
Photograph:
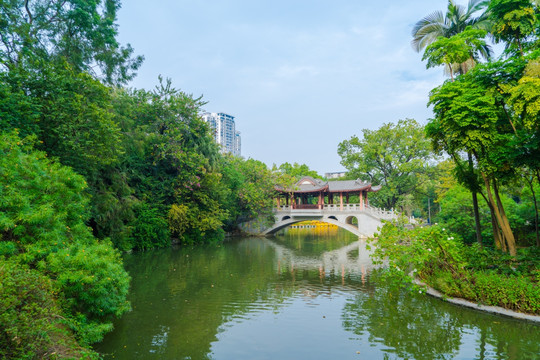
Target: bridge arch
350, 220
330, 220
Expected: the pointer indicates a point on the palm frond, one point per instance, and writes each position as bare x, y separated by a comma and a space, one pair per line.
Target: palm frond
476, 5
428, 29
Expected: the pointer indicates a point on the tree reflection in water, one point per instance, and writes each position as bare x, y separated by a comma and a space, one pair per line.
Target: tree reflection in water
188, 303
413, 326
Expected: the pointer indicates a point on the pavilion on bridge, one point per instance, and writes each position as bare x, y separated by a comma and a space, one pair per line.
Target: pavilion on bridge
310, 193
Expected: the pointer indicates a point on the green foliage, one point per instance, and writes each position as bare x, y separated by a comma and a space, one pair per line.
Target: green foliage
31, 325
511, 292
513, 22
465, 118
297, 171
525, 96
114, 207
83, 33
150, 230
69, 112
92, 280
17, 110
41, 201
250, 186
457, 49
394, 156
417, 252
42, 214
457, 213
437, 256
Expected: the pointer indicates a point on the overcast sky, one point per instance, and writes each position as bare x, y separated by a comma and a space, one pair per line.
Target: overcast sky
299, 76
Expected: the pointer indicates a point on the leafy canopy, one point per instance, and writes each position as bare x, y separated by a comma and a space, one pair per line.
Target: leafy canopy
394, 156
81, 32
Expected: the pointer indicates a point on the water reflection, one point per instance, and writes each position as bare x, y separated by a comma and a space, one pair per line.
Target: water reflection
418, 327
349, 258
294, 297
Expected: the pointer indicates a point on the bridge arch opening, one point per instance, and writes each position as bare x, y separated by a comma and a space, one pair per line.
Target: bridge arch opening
285, 218
352, 220
332, 217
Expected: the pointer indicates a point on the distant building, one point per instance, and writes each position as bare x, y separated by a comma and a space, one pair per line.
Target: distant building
335, 175
224, 132
237, 143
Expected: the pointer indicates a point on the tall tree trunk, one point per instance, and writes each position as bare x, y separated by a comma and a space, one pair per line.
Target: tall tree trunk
531, 185
475, 206
451, 72
477, 218
510, 240
497, 236
503, 223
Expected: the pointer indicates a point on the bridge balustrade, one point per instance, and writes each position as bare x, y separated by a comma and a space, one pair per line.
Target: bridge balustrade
381, 213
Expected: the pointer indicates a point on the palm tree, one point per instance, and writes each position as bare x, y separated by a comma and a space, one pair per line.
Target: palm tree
455, 21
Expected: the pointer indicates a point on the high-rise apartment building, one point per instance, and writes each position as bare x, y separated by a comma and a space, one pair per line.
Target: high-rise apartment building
224, 131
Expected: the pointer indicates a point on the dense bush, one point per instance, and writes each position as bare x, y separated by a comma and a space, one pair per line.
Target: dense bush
438, 257
31, 321
42, 212
150, 230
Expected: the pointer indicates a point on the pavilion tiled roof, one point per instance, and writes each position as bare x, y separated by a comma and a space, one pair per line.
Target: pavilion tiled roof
309, 185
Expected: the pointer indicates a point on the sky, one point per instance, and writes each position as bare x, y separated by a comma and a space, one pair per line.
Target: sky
300, 76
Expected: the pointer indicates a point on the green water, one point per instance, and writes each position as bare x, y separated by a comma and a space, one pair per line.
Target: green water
295, 297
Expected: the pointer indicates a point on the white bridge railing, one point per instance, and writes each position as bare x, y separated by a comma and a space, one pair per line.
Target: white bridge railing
333, 208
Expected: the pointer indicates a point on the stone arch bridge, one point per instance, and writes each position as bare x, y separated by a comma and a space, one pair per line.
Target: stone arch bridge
359, 220
340, 202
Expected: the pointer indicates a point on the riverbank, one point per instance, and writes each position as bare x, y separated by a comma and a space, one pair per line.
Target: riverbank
478, 275
466, 303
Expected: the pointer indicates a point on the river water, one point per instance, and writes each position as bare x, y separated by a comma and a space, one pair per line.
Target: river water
299, 296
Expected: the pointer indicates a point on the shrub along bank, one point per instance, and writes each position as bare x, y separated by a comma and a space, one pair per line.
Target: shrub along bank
441, 260
59, 286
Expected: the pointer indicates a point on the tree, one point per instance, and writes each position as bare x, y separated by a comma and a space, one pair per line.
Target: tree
296, 170
513, 22
468, 119
455, 41
81, 32
457, 49
250, 186
70, 112
395, 156
32, 325
457, 18
43, 209
172, 164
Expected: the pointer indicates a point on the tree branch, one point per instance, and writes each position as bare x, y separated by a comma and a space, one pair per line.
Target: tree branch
30, 17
